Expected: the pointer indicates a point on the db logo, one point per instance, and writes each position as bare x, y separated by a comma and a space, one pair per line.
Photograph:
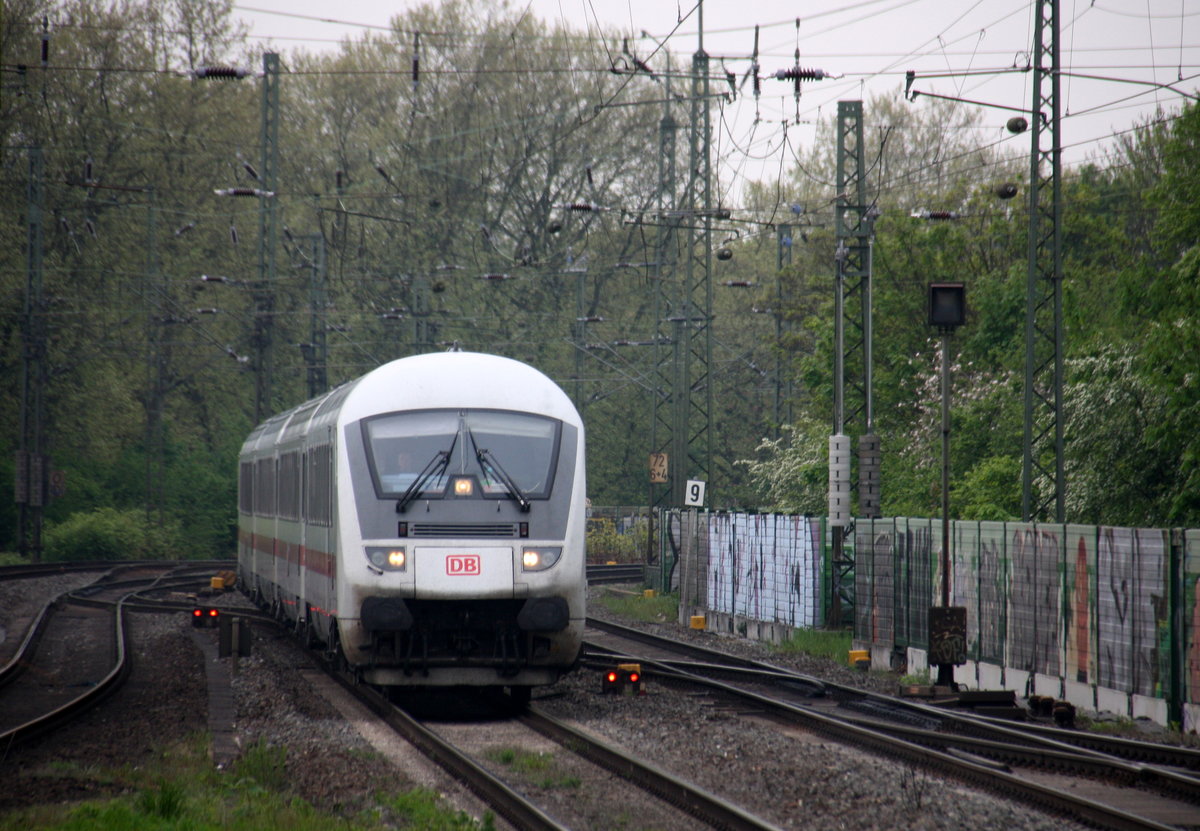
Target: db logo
462, 565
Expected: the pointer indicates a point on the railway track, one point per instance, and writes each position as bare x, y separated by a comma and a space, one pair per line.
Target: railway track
598, 573
455, 745
1090, 778
82, 638
74, 650
945, 739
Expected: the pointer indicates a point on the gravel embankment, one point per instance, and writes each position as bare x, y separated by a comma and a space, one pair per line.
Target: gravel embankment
794, 780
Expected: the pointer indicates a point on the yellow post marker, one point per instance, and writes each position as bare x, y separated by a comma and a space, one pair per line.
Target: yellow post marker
649, 594
698, 622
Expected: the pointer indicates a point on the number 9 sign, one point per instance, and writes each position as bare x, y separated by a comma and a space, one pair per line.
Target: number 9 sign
694, 494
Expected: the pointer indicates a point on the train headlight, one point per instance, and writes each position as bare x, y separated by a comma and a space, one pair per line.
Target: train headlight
540, 558
387, 558
464, 486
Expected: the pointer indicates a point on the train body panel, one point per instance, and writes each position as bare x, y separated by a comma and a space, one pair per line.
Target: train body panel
430, 522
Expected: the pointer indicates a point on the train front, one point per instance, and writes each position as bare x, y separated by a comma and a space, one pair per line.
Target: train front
463, 552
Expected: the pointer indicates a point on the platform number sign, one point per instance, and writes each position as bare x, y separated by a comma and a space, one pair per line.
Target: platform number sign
693, 496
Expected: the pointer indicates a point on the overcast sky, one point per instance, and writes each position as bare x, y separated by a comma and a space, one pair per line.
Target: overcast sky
867, 45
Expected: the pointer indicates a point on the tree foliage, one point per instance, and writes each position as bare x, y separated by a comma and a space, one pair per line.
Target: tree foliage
507, 199
1130, 303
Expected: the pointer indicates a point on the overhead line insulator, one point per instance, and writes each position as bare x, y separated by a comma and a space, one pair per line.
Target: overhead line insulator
220, 72
798, 73
243, 192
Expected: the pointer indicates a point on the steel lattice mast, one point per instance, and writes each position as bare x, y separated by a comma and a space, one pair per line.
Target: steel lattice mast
1043, 445
693, 401
268, 232
665, 354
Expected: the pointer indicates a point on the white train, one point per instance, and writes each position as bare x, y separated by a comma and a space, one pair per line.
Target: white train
425, 522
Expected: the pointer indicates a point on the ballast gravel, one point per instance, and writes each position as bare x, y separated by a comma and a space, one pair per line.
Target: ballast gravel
788, 778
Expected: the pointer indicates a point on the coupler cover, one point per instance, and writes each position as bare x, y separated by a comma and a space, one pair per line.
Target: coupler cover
544, 614
386, 614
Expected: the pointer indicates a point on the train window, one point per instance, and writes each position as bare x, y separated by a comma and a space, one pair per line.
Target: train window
289, 486
246, 487
428, 447
518, 446
264, 487
318, 491
404, 445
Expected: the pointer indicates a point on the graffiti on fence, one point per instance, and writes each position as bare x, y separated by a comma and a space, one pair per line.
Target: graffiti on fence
882, 610
1114, 605
1023, 635
916, 557
1034, 600
1089, 604
865, 596
992, 606
874, 582
1150, 655
1076, 616
1194, 653
965, 571
766, 568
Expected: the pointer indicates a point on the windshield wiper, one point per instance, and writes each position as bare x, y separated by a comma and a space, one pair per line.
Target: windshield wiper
436, 466
488, 461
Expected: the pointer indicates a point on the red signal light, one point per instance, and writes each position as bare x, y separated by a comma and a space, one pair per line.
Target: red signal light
213, 612
626, 678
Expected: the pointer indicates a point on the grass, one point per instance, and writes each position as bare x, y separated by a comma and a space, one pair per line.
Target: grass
538, 768
823, 643
265, 765
1113, 727
657, 609
421, 808
181, 791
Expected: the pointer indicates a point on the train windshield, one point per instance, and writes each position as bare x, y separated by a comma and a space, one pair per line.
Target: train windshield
506, 454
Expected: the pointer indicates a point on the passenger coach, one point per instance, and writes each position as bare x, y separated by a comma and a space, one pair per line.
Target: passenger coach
425, 522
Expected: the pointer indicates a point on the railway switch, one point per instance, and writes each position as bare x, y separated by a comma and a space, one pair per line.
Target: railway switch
623, 679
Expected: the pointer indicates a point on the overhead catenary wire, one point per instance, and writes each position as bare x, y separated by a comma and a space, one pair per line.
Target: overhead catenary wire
787, 143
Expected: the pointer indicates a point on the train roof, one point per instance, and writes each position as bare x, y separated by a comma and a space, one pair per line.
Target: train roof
434, 381
457, 379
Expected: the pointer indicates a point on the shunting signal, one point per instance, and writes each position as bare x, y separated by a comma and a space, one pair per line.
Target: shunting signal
205, 616
624, 678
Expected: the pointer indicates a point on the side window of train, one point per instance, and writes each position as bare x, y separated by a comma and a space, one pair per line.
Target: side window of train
246, 487
318, 492
264, 491
289, 485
